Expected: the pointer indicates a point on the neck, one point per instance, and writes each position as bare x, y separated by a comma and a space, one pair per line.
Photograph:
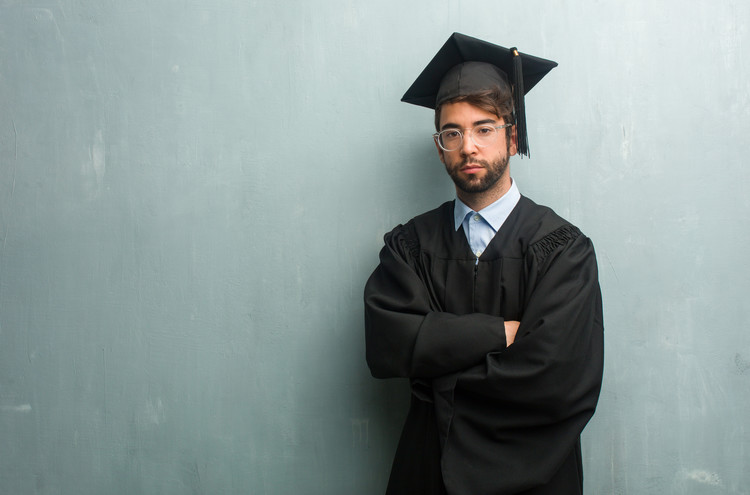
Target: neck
479, 200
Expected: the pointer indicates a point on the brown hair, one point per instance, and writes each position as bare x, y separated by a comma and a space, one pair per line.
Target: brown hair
497, 101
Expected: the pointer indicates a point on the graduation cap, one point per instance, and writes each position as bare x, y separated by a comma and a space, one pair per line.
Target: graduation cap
466, 65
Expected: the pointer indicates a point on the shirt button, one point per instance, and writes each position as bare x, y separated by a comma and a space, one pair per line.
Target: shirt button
478, 253
476, 218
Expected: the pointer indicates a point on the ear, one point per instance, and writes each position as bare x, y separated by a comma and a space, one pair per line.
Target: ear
440, 151
513, 145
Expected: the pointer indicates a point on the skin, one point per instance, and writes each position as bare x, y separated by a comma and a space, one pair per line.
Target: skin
481, 175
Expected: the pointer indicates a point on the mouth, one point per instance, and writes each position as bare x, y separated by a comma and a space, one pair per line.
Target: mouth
472, 168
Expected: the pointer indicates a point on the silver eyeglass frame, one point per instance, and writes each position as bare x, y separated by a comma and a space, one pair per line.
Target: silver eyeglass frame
437, 139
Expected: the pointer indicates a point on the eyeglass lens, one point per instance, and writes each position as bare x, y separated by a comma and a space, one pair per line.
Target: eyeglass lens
482, 135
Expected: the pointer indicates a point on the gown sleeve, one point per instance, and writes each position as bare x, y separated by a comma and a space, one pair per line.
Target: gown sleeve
406, 333
522, 411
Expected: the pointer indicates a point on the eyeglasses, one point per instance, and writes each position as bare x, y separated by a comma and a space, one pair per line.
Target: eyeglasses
481, 135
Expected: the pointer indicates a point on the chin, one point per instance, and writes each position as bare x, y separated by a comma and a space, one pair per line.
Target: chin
474, 187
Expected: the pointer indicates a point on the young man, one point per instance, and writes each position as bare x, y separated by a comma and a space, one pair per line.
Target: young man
489, 304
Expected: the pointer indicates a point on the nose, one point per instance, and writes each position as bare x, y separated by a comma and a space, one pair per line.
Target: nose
467, 144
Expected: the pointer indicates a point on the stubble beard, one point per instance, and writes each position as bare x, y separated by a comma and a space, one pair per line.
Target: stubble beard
494, 171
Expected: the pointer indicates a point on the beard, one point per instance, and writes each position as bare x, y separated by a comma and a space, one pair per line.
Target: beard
493, 173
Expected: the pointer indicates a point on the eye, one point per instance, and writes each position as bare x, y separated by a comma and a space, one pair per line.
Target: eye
484, 130
451, 134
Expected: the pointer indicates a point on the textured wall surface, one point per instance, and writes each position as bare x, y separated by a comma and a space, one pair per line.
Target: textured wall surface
193, 193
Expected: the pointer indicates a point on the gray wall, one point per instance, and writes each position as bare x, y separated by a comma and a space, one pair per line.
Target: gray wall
193, 193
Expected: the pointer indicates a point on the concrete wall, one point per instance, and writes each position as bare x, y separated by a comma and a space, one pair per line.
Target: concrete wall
193, 193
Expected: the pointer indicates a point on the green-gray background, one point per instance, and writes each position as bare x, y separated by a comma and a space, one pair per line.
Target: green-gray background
193, 193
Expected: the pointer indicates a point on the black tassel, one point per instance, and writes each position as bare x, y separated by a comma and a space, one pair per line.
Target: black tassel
518, 102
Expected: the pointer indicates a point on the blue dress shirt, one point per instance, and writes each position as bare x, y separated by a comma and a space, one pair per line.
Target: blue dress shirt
481, 226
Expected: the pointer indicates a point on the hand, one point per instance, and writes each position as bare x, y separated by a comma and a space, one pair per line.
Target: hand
511, 327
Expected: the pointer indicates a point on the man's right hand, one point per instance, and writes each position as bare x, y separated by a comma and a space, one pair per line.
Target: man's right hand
511, 327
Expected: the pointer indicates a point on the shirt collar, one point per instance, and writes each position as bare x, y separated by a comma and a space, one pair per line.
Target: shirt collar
495, 214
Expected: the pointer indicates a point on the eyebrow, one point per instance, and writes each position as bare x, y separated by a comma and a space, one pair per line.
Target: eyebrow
451, 125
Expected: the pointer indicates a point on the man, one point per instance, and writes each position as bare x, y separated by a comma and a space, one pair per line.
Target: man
489, 304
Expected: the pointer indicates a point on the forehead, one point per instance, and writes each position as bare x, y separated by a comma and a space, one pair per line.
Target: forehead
463, 114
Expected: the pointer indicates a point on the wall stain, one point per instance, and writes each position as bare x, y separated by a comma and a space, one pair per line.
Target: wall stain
742, 364
360, 432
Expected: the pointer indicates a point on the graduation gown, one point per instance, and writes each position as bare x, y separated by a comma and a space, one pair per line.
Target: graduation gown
485, 419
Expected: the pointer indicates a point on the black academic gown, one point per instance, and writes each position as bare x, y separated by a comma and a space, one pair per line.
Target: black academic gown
486, 419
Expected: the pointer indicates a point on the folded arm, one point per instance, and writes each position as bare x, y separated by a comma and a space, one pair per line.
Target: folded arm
406, 333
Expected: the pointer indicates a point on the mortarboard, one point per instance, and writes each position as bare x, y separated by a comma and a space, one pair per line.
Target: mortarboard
465, 65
